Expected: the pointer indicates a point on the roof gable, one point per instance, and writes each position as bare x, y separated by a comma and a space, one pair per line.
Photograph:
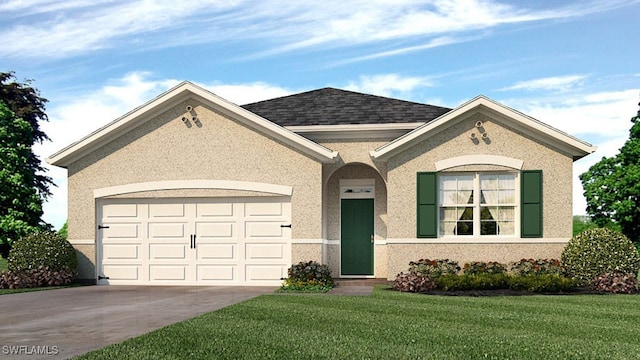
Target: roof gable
172, 97
541, 131
329, 106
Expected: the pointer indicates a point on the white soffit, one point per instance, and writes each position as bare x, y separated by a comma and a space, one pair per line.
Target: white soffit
182, 92
550, 135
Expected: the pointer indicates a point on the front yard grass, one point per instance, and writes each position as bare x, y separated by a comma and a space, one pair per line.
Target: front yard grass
397, 325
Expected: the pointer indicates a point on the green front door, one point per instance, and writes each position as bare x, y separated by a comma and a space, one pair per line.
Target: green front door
356, 244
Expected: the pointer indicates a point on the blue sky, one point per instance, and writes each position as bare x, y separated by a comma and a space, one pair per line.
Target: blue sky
571, 64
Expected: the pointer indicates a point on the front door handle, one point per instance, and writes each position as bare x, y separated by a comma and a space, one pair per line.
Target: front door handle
194, 241
372, 238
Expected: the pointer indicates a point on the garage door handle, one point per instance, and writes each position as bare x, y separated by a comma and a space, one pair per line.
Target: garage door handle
287, 226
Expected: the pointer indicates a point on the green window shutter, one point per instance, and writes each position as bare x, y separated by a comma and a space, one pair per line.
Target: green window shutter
531, 204
427, 205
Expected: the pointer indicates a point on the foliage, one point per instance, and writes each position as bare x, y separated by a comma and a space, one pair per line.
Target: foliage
38, 277
3, 264
312, 285
481, 267
582, 223
537, 267
43, 248
396, 325
599, 251
309, 276
542, 283
413, 282
479, 281
23, 185
617, 283
64, 231
612, 186
434, 268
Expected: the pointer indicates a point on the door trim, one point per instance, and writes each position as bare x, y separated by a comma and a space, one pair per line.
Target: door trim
357, 189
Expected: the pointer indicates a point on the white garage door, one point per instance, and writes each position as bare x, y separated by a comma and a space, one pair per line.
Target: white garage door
194, 242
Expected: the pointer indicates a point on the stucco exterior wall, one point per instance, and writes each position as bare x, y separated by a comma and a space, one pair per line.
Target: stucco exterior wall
455, 141
164, 148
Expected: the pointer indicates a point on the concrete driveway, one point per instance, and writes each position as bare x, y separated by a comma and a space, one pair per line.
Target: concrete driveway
72, 321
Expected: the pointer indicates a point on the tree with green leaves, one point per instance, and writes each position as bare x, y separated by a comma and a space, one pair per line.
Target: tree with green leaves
612, 186
23, 183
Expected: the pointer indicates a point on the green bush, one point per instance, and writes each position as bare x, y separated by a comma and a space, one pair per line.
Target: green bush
472, 282
434, 268
308, 276
537, 267
542, 283
596, 252
42, 249
481, 267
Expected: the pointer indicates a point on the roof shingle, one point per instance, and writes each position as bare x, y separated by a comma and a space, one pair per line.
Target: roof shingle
329, 106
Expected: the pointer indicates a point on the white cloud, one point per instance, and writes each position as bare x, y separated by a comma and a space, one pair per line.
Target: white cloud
557, 83
247, 93
48, 29
388, 84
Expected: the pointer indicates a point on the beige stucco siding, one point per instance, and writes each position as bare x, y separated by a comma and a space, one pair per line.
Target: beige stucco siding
164, 149
455, 141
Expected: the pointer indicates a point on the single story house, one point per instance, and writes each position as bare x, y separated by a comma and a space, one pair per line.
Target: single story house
190, 188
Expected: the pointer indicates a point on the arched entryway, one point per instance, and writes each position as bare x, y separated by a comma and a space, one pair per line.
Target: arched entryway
356, 221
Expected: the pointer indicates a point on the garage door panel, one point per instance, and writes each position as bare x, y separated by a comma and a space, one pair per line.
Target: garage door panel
263, 229
217, 251
216, 273
168, 272
122, 272
121, 230
120, 251
214, 210
215, 229
166, 210
263, 209
119, 211
265, 272
167, 251
254, 251
167, 230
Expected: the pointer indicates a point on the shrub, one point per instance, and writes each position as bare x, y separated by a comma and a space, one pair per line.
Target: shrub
434, 268
472, 282
542, 283
595, 252
413, 282
617, 283
537, 267
42, 249
308, 276
480, 267
38, 277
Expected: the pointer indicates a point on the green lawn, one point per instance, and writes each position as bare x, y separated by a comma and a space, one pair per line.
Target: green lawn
395, 325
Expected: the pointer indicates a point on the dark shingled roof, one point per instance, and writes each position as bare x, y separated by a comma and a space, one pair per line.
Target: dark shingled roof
329, 106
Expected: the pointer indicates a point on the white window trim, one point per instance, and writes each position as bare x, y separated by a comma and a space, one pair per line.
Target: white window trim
476, 208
